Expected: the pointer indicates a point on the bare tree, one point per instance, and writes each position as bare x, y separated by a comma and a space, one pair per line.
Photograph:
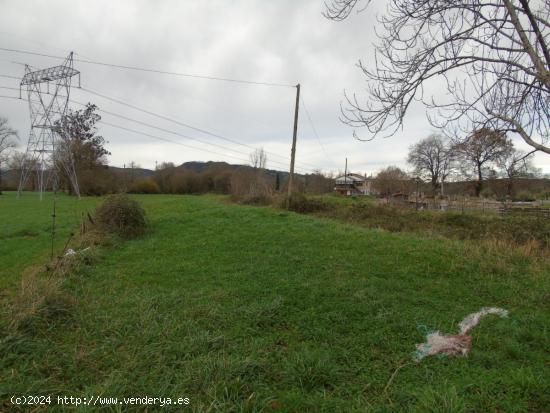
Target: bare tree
8, 137
432, 160
258, 158
256, 182
479, 151
492, 56
515, 164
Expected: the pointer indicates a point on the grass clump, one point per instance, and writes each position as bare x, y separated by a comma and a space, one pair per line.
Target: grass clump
121, 215
39, 300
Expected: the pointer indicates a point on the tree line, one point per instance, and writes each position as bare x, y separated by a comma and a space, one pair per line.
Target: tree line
86, 150
437, 160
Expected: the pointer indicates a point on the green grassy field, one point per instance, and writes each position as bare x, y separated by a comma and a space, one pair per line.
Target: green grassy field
246, 309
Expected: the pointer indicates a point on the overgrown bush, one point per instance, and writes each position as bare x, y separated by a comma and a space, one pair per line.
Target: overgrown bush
487, 193
144, 186
121, 215
525, 196
259, 199
510, 230
298, 202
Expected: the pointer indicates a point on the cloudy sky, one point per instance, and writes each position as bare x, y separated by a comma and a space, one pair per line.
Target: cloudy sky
283, 41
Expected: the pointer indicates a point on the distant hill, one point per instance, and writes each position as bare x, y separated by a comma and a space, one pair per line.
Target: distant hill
205, 166
139, 173
11, 177
199, 167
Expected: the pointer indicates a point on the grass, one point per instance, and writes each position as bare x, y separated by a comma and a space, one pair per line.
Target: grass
257, 309
516, 231
25, 230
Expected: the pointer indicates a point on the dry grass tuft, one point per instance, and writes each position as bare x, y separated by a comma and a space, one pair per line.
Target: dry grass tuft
531, 248
39, 299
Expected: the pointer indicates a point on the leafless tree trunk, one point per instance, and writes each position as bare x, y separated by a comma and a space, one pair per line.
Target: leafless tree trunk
492, 56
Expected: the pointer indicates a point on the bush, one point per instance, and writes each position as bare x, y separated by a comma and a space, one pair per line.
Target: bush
298, 202
144, 186
260, 199
525, 196
121, 215
487, 193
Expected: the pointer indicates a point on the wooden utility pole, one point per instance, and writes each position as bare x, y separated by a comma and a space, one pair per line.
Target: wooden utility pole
293, 150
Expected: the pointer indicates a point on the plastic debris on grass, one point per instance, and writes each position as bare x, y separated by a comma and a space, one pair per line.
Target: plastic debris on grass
454, 345
70, 251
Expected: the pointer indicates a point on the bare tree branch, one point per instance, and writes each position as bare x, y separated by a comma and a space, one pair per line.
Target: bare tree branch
492, 57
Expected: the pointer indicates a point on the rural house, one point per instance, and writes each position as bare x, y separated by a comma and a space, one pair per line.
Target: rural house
354, 184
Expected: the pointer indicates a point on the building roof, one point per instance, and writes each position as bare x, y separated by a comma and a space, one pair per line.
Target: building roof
350, 178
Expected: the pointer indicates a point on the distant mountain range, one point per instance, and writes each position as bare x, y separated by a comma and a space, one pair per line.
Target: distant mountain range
193, 166
199, 167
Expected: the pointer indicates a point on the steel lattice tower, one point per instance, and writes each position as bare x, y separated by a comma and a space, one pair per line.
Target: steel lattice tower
48, 149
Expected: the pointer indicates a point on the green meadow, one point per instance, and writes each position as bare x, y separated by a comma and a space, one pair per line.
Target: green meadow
256, 309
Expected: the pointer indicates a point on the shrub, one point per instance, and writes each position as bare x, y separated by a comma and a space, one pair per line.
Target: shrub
298, 202
121, 215
144, 186
487, 193
260, 199
525, 196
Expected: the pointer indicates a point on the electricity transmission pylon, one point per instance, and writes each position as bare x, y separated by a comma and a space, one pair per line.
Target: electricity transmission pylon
48, 149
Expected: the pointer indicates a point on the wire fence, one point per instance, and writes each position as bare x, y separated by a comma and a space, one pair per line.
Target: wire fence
539, 209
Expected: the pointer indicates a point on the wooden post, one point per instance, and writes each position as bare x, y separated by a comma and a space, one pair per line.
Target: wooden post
293, 150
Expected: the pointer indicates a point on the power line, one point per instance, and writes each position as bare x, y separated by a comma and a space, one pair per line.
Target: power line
173, 141
10, 77
41, 44
167, 140
313, 127
9, 88
14, 62
155, 127
11, 97
175, 133
142, 69
149, 112
167, 118
157, 137
180, 123
170, 131
170, 73
176, 122
147, 134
